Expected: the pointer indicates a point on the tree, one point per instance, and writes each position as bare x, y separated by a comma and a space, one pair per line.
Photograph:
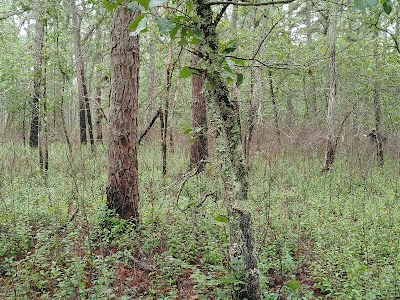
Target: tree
199, 147
84, 106
122, 190
330, 129
37, 76
241, 232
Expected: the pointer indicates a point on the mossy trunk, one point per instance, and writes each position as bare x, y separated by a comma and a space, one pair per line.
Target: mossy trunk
241, 232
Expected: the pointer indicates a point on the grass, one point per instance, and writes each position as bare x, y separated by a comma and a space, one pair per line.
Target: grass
332, 236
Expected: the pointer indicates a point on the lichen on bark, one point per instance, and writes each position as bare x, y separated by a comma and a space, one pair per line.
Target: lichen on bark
231, 155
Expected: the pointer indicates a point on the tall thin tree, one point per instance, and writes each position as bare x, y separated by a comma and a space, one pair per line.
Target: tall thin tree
330, 130
123, 190
37, 76
84, 106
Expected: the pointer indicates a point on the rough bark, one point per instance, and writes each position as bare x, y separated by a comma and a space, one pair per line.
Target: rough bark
198, 148
84, 106
331, 141
37, 79
241, 237
122, 190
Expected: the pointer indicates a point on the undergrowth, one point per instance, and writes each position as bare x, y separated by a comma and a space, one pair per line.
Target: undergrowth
319, 236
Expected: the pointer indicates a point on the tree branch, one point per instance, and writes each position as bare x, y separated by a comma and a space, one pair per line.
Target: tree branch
250, 3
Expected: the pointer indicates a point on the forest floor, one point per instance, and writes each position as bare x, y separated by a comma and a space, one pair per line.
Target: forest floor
319, 236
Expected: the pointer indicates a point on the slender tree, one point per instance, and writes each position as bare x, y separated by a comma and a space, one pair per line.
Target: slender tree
37, 76
377, 105
330, 130
122, 190
84, 106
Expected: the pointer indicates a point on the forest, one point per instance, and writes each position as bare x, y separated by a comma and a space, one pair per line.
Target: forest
199, 149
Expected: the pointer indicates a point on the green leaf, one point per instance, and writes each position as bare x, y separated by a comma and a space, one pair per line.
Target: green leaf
165, 25
185, 72
174, 31
238, 61
221, 294
135, 23
144, 3
239, 79
154, 3
110, 5
293, 284
133, 6
387, 6
140, 27
220, 218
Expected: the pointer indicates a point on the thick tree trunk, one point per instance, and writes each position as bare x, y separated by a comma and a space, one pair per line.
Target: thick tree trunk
198, 148
84, 106
331, 140
37, 79
123, 191
241, 233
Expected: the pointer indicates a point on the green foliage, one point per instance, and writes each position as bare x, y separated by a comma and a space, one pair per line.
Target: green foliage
185, 72
387, 5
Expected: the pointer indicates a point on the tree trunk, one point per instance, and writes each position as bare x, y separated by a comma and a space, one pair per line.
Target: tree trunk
377, 106
152, 76
100, 78
84, 106
254, 104
199, 147
331, 141
275, 107
165, 113
312, 93
122, 190
37, 79
241, 233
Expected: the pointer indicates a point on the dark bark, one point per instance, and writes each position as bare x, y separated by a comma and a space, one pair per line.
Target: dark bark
84, 106
165, 113
199, 147
122, 190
